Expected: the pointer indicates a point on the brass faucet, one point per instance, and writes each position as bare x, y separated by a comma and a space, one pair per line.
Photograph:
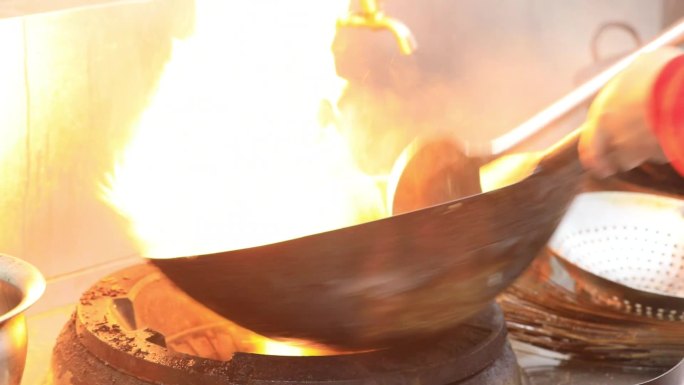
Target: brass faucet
371, 16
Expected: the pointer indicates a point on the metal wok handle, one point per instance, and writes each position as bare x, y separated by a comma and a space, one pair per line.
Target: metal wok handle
563, 155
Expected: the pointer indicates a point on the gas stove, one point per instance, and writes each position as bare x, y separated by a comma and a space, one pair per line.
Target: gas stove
152, 329
134, 327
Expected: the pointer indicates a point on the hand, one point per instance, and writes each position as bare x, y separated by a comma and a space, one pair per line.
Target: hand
617, 136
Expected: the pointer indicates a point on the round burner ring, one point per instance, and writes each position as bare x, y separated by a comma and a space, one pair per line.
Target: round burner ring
118, 321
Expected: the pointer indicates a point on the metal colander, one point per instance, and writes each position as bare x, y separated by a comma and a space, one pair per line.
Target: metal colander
609, 286
626, 250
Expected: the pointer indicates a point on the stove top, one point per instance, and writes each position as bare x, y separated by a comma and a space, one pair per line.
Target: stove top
135, 327
540, 366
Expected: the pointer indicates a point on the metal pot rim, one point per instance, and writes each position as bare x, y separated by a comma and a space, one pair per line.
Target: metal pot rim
25, 277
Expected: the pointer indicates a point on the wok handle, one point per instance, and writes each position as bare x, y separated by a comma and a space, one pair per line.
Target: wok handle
563, 154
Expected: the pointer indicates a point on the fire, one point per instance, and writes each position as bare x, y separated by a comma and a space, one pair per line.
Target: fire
278, 348
231, 151
507, 170
239, 147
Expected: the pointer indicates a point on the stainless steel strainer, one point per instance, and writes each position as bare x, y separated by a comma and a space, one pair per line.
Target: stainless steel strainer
626, 251
608, 288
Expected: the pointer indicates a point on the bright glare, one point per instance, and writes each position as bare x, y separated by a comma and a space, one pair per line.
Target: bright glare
232, 151
277, 348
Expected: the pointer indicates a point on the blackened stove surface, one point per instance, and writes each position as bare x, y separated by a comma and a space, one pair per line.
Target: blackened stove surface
112, 339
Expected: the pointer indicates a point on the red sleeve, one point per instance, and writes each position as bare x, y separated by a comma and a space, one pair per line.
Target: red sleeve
666, 111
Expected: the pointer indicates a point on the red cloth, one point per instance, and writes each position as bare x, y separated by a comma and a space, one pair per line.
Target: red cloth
666, 111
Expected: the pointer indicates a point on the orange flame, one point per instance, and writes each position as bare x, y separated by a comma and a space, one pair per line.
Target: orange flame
231, 152
238, 147
279, 348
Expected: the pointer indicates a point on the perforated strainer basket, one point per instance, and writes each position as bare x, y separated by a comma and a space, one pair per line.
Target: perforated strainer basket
626, 251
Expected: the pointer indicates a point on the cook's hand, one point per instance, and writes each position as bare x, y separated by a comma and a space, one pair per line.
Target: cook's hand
616, 135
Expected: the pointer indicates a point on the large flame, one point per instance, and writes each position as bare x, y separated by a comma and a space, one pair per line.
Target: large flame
239, 147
